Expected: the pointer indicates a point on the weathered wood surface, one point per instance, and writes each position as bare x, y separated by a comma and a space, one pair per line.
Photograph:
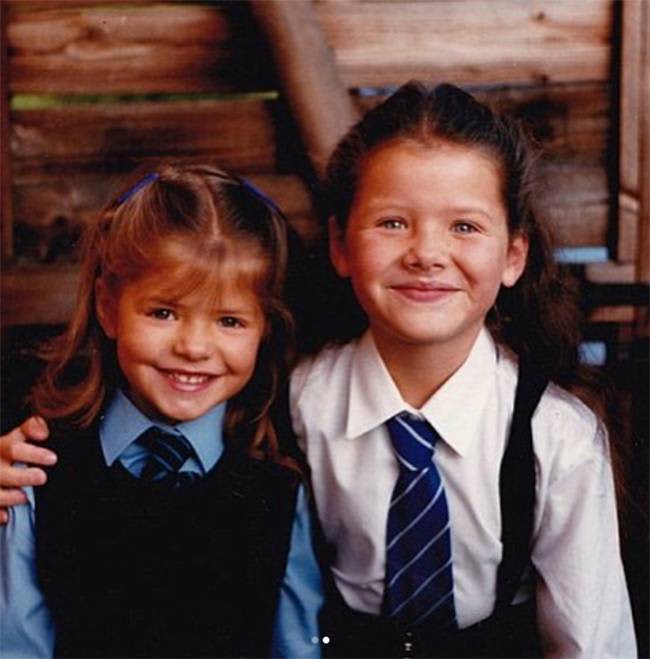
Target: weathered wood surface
570, 122
135, 48
191, 47
479, 41
6, 220
320, 103
643, 245
237, 134
55, 288
44, 200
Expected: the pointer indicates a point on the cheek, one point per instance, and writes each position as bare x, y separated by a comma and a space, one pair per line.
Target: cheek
135, 346
242, 355
372, 257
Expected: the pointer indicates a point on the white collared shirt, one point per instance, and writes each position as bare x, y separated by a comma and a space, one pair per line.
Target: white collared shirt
340, 401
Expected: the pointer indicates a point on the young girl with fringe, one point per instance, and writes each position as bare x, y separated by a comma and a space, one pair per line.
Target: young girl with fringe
174, 522
459, 453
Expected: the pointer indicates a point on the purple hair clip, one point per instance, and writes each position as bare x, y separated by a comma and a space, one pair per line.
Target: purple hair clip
149, 178
256, 192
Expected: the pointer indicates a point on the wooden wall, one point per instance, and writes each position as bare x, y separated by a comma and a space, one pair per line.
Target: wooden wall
197, 81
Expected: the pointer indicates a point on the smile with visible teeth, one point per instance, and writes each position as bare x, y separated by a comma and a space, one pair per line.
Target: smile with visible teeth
186, 378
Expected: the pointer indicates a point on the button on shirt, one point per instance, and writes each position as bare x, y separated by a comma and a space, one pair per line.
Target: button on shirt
26, 627
582, 599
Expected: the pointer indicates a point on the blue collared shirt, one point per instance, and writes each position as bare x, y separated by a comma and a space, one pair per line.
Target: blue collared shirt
26, 626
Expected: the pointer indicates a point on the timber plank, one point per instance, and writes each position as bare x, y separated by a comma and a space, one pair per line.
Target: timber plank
148, 48
468, 41
569, 121
319, 101
23, 301
237, 134
576, 199
54, 206
6, 213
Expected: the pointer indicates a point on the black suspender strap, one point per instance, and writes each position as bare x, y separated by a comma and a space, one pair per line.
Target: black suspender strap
517, 486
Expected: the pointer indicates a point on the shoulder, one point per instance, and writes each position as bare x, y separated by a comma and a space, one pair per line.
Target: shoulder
331, 367
566, 432
571, 442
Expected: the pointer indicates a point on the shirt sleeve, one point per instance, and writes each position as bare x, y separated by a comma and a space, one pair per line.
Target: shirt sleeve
296, 632
26, 627
582, 599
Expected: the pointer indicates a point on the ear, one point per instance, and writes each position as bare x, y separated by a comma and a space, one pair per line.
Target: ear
338, 251
106, 307
515, 260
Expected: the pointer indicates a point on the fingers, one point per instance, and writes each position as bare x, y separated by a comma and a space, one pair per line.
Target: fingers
19, 477
12, 497
34, 428
27, 453
14, 446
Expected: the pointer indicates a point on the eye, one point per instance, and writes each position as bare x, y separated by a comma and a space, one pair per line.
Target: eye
162, 313
231, 322
462, 226
392, 223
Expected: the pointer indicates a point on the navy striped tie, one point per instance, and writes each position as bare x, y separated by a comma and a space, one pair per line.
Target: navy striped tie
168, 453
419, 583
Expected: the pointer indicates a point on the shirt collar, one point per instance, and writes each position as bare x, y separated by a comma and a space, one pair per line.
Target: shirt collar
374, 396
123, 423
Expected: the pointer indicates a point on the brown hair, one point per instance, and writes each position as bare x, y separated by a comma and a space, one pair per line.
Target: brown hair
538, 318
204, 225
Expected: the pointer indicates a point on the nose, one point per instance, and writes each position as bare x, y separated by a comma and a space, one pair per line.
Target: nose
194, 341
428, 248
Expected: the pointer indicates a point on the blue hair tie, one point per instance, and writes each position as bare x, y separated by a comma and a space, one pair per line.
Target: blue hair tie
256, 192
149, 178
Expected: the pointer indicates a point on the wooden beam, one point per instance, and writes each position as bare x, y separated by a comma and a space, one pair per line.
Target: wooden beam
305, 65
134, 48
6, 222
24, 301
379, 44
643, 253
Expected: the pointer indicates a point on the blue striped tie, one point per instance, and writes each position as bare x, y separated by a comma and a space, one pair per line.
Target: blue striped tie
168, 453
419, 583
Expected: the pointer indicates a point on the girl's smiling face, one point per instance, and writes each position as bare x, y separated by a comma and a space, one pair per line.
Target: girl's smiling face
426, 244
181, 356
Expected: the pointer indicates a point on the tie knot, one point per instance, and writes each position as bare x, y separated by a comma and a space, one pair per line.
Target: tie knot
413, 441
168, 452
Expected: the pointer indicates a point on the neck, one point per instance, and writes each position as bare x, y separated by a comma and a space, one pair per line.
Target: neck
420, 370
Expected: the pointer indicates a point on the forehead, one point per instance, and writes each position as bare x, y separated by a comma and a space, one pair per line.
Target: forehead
435, 172
181, 277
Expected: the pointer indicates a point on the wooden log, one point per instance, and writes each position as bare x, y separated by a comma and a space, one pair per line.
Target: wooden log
628, 227
377, 44
236, 134
630, 77
53, 204
610, 272
23, 301
576, 199
614, 315
318, 100
6, 221
136, 49
643, 247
